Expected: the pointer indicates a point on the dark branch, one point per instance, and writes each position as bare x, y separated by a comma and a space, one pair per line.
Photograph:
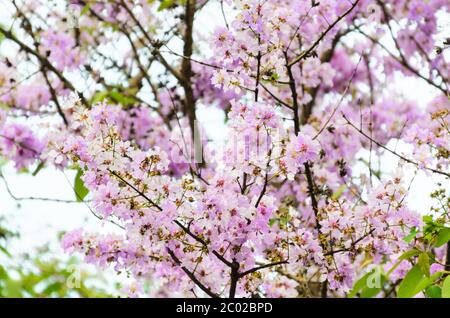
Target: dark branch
191, 275
255, 269
392, 151
306, 53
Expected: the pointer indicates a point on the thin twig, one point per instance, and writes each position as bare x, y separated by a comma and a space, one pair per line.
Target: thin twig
316, 43
393, 152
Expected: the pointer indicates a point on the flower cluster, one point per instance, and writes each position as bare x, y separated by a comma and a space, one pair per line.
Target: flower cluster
61, 50
19, 144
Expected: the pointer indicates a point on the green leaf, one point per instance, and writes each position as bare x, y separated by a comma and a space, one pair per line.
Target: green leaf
408, 286
424, 264
80, 190
5, 251
38, 168
405, 255
23, 170
273, 221
363, 285
433, 292
443, 237
99, 97
85, 9
121, 98
56, 286
369, 292
411, 235
3, 273
446, 287
427, 219
339, 192
358, 285
409, 254
165, 4
427, 281
274, 76
281, 220
414, 282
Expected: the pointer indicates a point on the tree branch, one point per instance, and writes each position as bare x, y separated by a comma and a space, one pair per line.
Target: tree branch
9, 35
391, 151
306, 53
255, 269
191, 275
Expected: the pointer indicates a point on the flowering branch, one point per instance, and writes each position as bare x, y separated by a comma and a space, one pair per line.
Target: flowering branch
392, 151
307, 52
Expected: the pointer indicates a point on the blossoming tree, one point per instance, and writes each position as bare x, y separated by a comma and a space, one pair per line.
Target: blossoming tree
297, 203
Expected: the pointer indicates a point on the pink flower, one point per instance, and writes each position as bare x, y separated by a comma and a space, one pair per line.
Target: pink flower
72, 240
61, 49
222, 37
19, 144
300, 150
435, 267
32, 96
